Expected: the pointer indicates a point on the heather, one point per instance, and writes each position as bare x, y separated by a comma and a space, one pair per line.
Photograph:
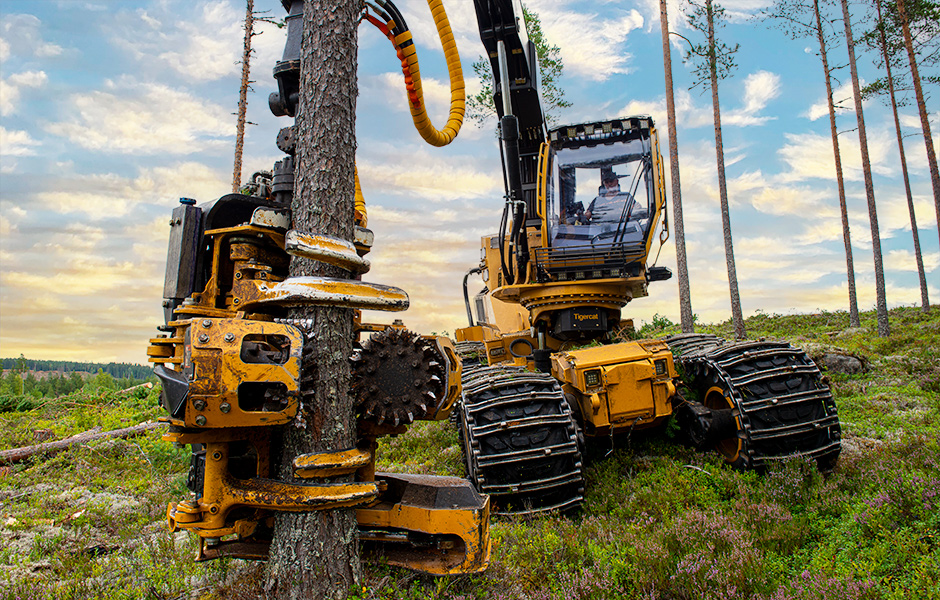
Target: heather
660, 521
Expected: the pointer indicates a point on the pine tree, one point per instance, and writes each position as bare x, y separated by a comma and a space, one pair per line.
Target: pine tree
882, 43
715, 61
792, 17
678, 224
315, 554
881, 303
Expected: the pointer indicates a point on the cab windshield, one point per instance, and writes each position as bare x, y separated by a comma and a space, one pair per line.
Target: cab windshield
601, 195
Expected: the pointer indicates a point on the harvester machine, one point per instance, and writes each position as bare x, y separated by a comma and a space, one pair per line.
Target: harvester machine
543, 376
229, 359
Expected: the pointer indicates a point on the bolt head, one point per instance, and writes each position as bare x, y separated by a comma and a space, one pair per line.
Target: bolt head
206, 323
229, 337
199, 404
200, 421
225, 407
203, 338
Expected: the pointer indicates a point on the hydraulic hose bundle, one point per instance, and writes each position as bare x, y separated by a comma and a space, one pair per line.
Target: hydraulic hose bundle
386, 17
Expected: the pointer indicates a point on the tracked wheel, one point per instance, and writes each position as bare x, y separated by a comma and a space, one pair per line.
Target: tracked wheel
397, 376
772, 391
520, 441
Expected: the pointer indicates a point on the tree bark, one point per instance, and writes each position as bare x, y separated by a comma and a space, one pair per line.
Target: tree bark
881, 302
846, 236
315, 554
736, 317
243, 96
685, 299
922, 109
924, 301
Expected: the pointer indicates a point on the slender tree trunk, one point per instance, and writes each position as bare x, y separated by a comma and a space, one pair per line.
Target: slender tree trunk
685, 298
881, 303
243, 96
736, 317
846, 236
924, 301
315, 554
922, 109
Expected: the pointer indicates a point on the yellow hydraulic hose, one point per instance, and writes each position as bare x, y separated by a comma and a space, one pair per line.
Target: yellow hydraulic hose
457, 93
362, 219
409, 63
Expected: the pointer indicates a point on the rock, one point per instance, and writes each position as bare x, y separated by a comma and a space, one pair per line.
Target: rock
841, 363
836, 360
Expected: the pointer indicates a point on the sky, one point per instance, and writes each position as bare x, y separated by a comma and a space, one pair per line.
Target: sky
112, 111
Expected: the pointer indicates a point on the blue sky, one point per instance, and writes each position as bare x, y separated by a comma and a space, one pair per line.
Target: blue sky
111, 111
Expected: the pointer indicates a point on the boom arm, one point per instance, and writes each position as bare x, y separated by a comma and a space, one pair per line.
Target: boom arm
522, 124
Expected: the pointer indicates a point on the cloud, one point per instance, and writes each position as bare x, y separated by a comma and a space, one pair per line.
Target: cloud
11, 87
759, 89
16, 143
200, 42
809, 156
592, 45
109, 196
21, 36
844, 99
416, 171
904, 260
144, 118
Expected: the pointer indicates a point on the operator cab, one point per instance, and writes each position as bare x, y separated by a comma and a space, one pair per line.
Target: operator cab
601, 200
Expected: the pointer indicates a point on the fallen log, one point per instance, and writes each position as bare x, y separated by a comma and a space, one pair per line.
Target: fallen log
15, 455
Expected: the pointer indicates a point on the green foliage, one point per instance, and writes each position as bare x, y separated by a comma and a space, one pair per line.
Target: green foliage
660, 521
480, 106
707, 57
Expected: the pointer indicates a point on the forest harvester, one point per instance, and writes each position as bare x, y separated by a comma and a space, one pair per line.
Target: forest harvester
541, 372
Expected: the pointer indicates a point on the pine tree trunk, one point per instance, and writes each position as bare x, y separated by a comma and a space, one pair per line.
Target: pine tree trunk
846, 237
881, 302
315, 554
922, 109
924, 301
736, 317
243, 96
685, 299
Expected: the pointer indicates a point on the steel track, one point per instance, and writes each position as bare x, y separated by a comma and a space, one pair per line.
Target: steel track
781, 406
520, 441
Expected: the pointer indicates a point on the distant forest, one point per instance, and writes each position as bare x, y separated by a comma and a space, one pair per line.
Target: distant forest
116, 370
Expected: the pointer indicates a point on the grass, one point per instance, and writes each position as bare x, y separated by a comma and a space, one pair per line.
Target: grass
659, 521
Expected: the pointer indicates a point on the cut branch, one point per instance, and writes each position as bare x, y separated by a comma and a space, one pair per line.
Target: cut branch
15, 455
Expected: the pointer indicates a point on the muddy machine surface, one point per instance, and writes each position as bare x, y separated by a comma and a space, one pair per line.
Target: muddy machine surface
585, 206
229, 361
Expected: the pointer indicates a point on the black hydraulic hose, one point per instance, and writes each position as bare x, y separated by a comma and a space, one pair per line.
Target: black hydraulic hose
466, 296
400, 25
508, 274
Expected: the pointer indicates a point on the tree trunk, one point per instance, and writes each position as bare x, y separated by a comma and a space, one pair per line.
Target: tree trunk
243, 96
846, 237
924, 301
685, 299
882, 305
736, 317
48, 448
315, 554
922, 109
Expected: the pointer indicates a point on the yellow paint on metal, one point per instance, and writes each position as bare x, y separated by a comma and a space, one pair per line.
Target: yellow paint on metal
222, 493
626, 393
219, 351
330, 464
